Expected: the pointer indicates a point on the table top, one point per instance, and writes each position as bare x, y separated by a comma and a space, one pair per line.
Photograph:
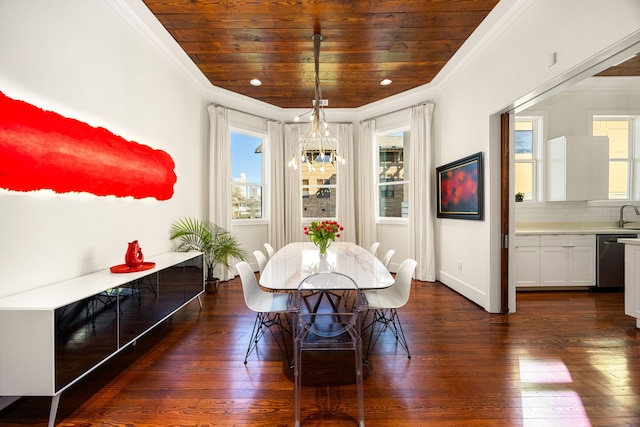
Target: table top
296, 261
59, 294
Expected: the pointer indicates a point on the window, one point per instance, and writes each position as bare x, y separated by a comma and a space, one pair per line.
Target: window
528, 147
246, 175
318, 188
393, 184
621, 133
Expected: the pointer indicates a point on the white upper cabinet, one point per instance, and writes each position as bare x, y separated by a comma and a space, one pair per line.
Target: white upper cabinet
577, 168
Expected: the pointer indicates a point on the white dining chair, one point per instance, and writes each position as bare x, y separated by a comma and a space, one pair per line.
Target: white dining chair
261, 259
374, 248
270, 250
384, 304
387, 258
271, 310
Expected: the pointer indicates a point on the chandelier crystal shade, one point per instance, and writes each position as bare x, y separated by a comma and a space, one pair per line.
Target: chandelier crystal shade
318, 146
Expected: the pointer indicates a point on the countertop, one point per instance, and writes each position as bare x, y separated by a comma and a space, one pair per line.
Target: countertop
576, 228
629, 241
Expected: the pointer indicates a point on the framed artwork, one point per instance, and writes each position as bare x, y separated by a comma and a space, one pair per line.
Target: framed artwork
460, 188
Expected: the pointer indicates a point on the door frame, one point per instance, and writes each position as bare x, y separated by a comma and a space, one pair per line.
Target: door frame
611, 56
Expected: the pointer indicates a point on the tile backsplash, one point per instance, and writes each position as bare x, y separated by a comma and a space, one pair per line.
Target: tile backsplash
571, 212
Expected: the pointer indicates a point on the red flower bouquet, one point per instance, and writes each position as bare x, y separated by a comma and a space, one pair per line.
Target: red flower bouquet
322, 233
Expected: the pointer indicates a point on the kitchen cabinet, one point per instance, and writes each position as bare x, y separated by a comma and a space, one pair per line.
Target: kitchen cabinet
555, 260
581, 265
577, 168
568, 260
527, 260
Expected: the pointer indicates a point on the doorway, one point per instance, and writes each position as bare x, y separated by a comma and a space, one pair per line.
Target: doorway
580, 79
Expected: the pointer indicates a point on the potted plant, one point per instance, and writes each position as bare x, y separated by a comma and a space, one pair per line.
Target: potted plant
218, 245
519, 197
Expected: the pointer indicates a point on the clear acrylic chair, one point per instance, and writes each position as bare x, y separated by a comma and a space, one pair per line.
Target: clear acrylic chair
270, 250
387, 258
384, 304
271, 310
261, 259
326, 315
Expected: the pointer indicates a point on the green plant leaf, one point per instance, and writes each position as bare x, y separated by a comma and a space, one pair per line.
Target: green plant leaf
218, 245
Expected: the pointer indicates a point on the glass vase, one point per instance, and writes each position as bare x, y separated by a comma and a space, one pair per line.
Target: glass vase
323, 245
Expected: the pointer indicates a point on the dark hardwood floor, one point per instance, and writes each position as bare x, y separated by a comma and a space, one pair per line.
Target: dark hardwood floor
564, 359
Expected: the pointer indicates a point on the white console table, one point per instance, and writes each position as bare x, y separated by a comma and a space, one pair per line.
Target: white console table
51, 337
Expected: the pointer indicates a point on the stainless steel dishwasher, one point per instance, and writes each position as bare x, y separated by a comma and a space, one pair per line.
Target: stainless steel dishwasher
610, 261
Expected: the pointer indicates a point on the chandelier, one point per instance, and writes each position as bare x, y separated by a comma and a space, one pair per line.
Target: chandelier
318, 146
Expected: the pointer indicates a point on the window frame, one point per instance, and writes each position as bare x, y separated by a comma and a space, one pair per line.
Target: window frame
406, 128
262, 135
633, 159
538, 154
305, 194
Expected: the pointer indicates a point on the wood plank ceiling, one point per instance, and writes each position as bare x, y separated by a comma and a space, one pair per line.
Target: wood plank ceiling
364, 41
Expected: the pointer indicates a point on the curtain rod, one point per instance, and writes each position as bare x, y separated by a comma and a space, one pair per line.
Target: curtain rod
245, 112
332, 123
267, 118
361, 121
395, 111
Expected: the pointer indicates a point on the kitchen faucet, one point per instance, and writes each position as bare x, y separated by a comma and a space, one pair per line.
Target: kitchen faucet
621, 221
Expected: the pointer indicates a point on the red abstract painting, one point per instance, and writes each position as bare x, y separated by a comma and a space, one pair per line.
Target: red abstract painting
43, 150
459, 189
460, 192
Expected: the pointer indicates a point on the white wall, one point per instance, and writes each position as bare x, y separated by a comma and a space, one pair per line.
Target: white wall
511, 65
83, 60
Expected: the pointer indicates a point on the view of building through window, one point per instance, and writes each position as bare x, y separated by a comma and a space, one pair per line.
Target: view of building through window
393, 185
319, 185
246, 176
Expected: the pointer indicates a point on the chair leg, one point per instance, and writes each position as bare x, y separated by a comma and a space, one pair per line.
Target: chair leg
297, 373
256, 334
297, 370
359, 379
387, 319
267, 321
396, 326
378, 317
282, 341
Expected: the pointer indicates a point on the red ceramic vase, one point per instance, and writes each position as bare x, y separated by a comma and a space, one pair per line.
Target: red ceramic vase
134, 258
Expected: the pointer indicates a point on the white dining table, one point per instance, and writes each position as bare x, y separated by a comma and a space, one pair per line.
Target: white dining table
289, 266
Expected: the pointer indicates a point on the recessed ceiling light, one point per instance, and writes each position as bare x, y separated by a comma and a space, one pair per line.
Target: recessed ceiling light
255, 82
385, 82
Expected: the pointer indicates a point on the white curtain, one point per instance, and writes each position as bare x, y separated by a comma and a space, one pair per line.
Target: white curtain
421, 192
365, 182
220, 174
276, 157
292, 192
346, 184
